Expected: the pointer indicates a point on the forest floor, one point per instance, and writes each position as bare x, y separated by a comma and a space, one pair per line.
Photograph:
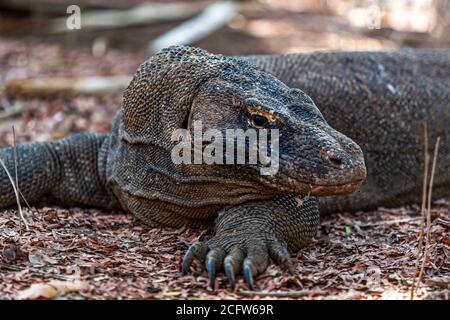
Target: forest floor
87, 254
83, 253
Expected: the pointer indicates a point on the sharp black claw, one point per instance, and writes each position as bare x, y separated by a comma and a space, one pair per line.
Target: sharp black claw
212, 273
248, 274
285, 260
229, 271
280, 254
187, 261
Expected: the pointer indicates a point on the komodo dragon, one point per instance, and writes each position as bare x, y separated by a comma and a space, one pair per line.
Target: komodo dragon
379, 99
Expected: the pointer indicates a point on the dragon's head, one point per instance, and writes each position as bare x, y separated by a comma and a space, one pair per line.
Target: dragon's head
183, 94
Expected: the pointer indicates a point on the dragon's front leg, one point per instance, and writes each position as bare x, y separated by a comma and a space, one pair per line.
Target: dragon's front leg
248, 235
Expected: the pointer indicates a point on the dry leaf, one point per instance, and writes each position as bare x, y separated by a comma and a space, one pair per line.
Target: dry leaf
51, 289
39, 259
172, 293
68, 286
37, 290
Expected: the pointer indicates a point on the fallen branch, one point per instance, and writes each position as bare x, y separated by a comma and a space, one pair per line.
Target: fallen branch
39, 273
211, 19
388, 222
16, 109
86, 85
282, 294
145, 13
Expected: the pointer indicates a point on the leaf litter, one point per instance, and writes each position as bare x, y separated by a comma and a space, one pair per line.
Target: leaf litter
91, 254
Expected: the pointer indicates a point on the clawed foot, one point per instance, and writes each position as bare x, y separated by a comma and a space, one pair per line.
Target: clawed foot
236, 253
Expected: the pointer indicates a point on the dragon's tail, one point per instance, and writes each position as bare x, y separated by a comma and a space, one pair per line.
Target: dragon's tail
64, 172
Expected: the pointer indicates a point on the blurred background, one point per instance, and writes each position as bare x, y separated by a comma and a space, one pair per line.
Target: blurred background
63, 63
232, 27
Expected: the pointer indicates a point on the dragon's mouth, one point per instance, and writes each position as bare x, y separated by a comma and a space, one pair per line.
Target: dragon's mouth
337, 180
319, 190
334, 190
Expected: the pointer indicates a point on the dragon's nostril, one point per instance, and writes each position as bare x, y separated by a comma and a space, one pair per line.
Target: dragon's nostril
335, 159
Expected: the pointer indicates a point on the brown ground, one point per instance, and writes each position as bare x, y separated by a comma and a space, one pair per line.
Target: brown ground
83, 253
354, 256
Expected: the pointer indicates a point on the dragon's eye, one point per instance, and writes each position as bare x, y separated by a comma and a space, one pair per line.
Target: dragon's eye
258, 120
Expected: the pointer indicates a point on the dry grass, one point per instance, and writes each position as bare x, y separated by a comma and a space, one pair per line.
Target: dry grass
15, 183
427, 191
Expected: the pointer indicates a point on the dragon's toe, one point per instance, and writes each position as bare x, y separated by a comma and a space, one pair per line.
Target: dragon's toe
196, 251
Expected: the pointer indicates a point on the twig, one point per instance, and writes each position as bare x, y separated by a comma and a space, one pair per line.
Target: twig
442, 221
19, 207
25, 200
16, 184
426, 159
145, 13
15, 172
85, 85
36, 272
387, 222
282, 294
426, 199
15, 168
